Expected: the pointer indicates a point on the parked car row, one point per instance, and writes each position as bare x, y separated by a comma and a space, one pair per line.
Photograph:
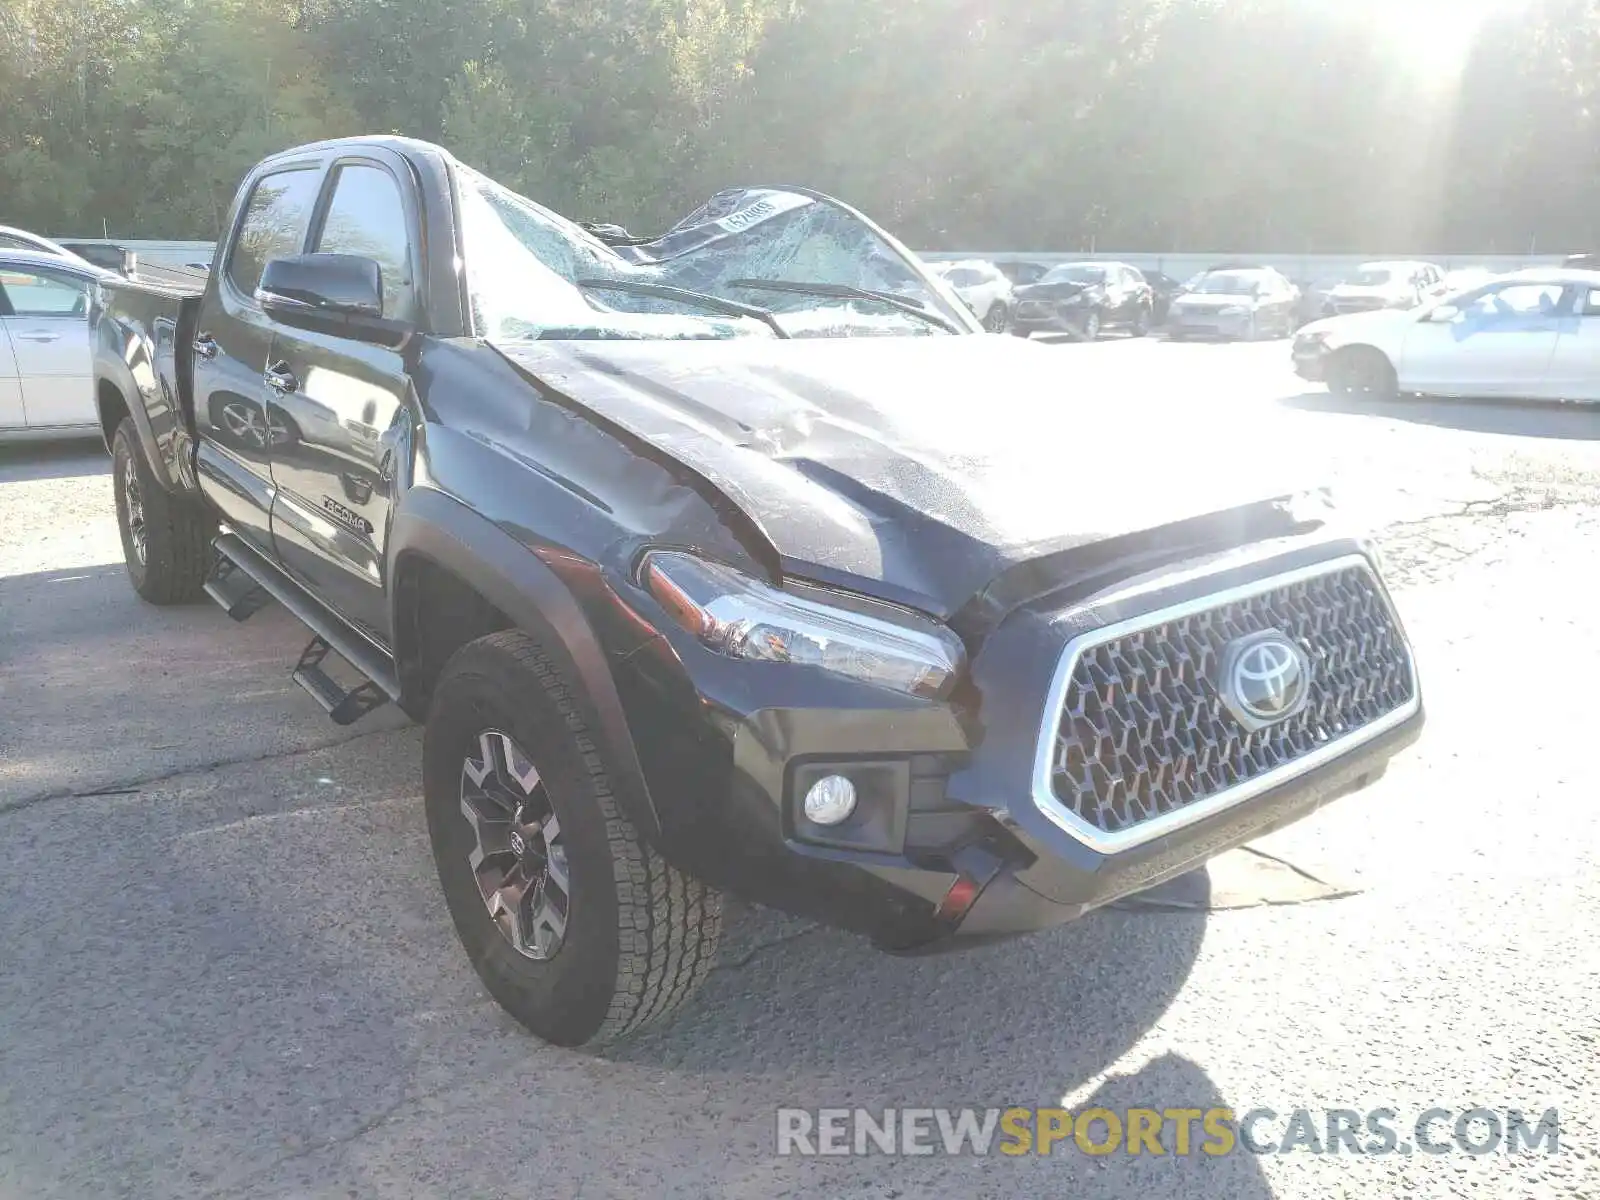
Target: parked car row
1230, 300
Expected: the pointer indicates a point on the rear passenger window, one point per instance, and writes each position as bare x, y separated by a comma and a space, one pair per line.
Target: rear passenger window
1591, 303
26, 293
275, 225
366, 217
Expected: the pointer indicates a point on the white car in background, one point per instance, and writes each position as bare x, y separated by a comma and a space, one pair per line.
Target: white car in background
1377, 285
984, 289
1531, 334
46, 377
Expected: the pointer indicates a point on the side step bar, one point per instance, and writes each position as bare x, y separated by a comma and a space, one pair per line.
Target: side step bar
344, 707
240, 596
236, 591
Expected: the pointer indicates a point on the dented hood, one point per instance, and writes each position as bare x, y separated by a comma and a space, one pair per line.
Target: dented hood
920, 469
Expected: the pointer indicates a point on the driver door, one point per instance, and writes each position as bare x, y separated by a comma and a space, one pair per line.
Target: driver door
1500, 342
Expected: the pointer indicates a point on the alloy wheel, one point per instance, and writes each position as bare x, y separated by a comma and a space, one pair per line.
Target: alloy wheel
133, 501
518, 858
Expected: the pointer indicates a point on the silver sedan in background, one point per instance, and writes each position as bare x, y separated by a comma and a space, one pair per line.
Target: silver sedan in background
46, 384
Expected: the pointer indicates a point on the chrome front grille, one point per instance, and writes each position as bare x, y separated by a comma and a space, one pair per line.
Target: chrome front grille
1140, 738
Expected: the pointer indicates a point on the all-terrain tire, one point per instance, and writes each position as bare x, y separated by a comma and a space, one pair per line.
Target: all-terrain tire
176, 531
640, 937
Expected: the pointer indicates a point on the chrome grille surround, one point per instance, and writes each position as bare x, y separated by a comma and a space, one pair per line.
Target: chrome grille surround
1190, 759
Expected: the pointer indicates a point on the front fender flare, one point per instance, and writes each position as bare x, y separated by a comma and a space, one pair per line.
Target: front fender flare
522, 585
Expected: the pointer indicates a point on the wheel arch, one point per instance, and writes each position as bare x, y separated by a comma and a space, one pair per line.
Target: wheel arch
112, 407
1365, 347
438, 543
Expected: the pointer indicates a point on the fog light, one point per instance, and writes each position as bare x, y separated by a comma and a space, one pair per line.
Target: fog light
830, 800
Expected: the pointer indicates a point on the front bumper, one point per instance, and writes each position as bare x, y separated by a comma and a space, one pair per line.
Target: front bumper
1207, 325
1310, 361
1056, 319
959, 850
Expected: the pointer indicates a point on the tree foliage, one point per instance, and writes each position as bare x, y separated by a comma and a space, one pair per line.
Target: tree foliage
1059, 124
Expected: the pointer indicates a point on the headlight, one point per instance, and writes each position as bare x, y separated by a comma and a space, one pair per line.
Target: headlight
741, 617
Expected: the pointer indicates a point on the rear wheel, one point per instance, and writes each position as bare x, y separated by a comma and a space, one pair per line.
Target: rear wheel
574, 923
998, 318
1362, 372
166, 539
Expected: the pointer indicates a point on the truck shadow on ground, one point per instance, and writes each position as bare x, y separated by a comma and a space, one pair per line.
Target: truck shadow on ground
267, 991
800, 1016
52, 460
1528, 418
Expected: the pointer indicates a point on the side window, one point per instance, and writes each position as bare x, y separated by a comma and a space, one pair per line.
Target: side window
1591, 303
367, 217
275, 224
42, 294
1518, 299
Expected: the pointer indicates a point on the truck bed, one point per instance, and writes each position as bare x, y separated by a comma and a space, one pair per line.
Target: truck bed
144, 330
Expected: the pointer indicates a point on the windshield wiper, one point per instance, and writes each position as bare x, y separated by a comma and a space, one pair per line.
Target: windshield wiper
639, 287
843, 291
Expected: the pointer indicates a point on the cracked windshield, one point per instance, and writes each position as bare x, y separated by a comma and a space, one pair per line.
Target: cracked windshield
750, 262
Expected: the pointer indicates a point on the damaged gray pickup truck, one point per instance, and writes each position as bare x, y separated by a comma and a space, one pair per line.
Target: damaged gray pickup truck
738, 559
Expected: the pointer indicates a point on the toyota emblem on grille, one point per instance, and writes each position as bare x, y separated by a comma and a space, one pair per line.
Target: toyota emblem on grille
1266, 679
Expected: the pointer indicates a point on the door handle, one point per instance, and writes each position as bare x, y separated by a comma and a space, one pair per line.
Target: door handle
206, 346
38, 336
281, 379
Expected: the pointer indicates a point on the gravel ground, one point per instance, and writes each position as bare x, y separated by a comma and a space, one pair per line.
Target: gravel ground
228, 971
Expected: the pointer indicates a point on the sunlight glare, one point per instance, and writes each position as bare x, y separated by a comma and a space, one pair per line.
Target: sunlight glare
1433, 37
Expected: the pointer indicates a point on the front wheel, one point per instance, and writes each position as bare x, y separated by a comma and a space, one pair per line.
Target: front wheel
998, 318
574, 922
1141, 322
1091, 328
1362, 373
166, 538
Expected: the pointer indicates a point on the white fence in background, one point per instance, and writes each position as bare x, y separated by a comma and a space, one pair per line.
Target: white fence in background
1318, 268
169, 254
1315, 267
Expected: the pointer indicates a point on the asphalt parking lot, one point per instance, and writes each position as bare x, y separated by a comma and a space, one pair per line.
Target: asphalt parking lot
228, 971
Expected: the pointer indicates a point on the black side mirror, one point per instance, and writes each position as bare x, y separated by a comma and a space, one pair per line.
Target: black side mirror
340, 294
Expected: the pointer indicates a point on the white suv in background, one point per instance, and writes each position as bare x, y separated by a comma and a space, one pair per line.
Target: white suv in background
1379, 285
983, 289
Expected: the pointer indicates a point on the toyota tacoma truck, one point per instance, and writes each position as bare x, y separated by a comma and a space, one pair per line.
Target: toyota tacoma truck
885, 628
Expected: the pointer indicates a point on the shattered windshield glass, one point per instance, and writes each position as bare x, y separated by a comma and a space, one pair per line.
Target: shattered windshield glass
532, 273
